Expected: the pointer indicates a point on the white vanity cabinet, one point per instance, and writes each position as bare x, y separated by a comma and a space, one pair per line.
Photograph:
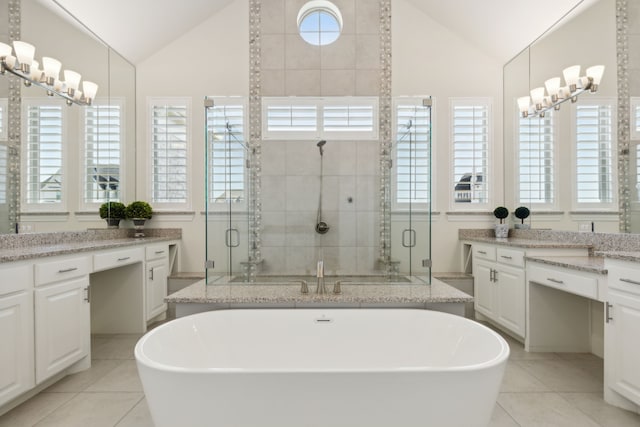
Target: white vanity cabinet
157, 272
16, 331
62, 316
499, 286
622, 332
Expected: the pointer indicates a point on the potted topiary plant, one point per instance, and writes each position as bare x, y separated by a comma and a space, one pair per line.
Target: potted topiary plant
139, 212
522, 213
112, 212
502, 229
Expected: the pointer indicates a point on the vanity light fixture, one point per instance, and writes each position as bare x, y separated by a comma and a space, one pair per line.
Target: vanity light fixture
27, 68
537, 103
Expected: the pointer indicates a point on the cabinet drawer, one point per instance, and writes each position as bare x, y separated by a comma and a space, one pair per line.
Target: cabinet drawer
15, 278
511, 257
625, 278
156, 251
62, 269
117, 258
563, 279
484, 252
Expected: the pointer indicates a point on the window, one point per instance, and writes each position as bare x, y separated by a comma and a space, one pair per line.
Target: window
227, 150
307, 118
536, 138
594, 135
102, 152
635, 118
319, 22
412, 149
4, 114
169, 132
43, 122
471, 122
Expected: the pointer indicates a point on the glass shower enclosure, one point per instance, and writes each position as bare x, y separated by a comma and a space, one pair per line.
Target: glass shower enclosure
264, 199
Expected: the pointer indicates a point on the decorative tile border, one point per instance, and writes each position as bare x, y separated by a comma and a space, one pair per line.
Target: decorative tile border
255, 138
385, 134
15, 126
622, 48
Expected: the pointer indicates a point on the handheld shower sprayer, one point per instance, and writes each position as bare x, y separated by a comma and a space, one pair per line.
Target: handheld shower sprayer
320, 145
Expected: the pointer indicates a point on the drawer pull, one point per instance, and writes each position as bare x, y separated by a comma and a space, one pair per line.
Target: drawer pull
559, 282
124, 259
633, 282
159, 252
68, 270
482, 252
506, 257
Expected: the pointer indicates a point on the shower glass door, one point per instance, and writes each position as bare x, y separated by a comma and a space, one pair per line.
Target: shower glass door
411, 174
227, 188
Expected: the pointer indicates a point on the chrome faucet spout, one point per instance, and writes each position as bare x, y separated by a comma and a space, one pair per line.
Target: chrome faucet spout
320, 287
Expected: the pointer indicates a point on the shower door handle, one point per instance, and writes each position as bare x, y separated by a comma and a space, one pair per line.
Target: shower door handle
412, 238
232, 238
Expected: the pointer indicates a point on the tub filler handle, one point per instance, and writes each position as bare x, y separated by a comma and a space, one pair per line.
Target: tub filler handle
304, 286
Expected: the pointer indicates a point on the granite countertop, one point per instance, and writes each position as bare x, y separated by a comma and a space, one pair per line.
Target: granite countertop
45, 247
527, 243
622, 255
589, 264
437, 292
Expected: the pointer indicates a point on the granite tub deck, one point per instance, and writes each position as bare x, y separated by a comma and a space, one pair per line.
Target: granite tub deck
201, 297
17, 247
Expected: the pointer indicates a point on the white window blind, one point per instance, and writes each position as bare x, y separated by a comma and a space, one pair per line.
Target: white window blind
536, 140
3, 173
169, 151
470, 140
412, 153
227, 150
103, 144
43, 123
4, 114
312, 118
594, 163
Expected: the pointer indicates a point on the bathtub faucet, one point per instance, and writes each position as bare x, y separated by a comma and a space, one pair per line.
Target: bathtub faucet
320, 288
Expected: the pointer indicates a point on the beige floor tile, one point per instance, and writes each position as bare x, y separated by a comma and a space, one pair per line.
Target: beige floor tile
80, 381
604, 414
516, 379
500, 418
92, 410
34, 409
543, 409
562, 375
139, 416
518, 353
119, 347
123, 377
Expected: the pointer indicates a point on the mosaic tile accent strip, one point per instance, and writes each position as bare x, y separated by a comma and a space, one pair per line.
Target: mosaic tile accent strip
15, 126
255, 138
622, 48
385, 134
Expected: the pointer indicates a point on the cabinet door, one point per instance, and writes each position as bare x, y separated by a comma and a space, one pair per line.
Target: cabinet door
62, 326
623, 345
483, 287
156, 288
510, 298
16, 350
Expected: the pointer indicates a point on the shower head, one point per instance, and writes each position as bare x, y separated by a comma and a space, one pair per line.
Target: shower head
320, 144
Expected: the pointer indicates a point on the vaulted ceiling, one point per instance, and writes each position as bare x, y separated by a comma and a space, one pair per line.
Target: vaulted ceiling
139, 28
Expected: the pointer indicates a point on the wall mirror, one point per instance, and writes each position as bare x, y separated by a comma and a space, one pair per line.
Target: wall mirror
57, 34
566, 186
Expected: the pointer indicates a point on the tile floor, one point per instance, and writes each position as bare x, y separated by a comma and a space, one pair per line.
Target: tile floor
539, 389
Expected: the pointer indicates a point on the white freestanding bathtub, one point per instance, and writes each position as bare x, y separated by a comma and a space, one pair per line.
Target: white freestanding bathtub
317, 367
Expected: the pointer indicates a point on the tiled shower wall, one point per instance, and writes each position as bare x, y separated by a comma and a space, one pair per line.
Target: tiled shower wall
290, 170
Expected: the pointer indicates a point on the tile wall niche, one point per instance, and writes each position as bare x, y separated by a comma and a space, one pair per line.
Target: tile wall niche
285, 65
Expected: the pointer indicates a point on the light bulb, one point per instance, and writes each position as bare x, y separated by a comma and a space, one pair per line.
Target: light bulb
553, 86
25, 53
537, 97
571, 77
51, 68
595, 76
90, 90
35, 73
72, 79
523, 105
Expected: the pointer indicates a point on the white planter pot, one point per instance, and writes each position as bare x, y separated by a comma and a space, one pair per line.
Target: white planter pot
502, 231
